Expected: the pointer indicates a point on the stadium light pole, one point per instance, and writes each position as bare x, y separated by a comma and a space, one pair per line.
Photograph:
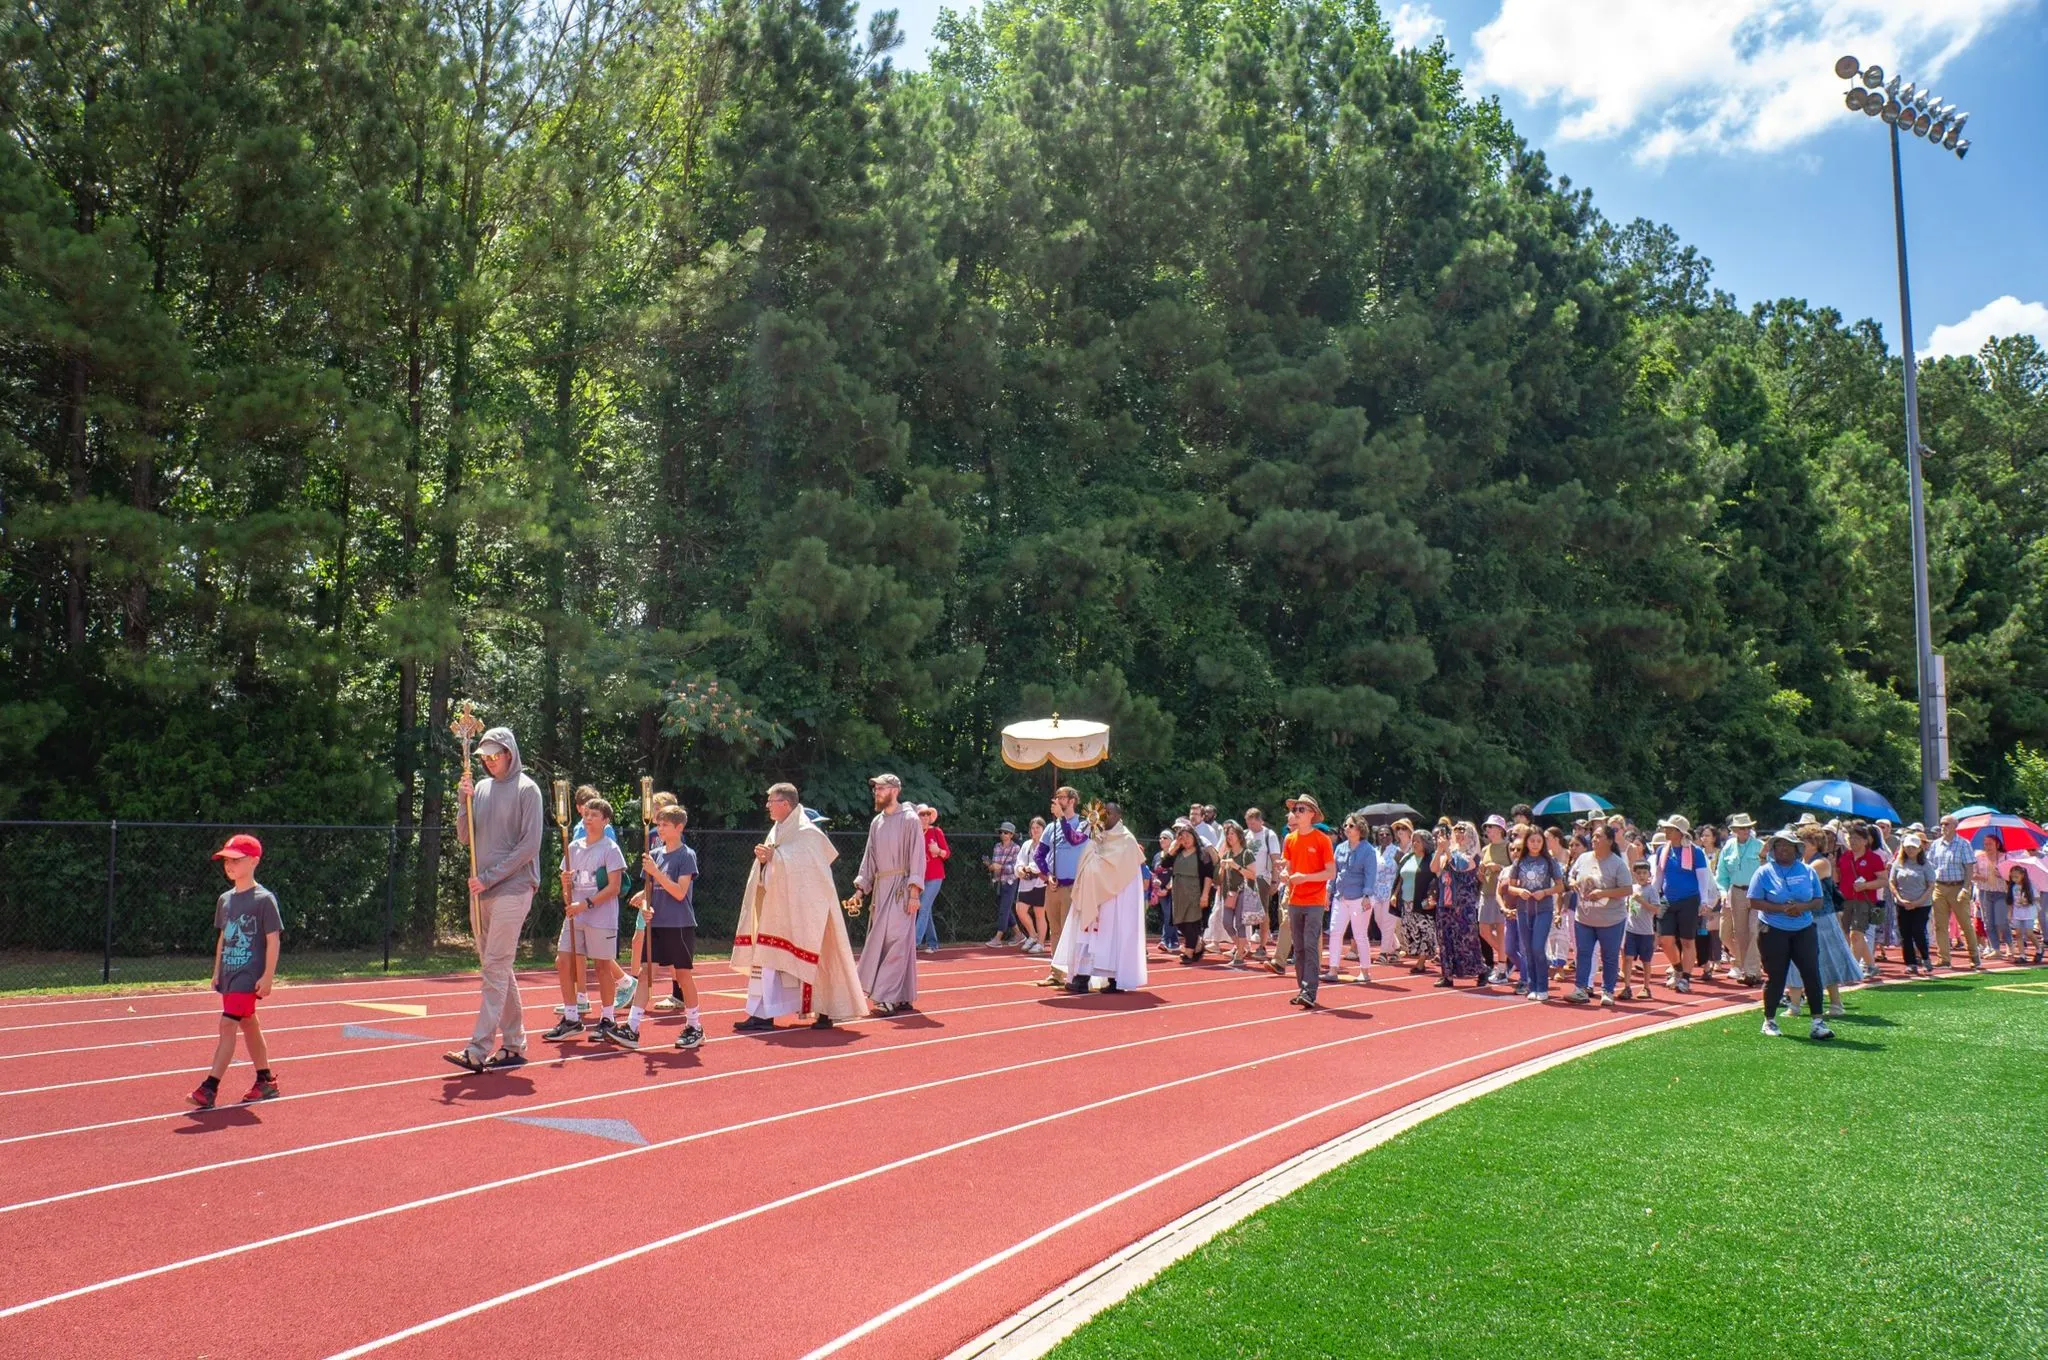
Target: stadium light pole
1920, 114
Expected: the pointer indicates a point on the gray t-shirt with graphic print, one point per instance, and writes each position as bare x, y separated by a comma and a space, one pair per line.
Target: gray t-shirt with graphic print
243, 920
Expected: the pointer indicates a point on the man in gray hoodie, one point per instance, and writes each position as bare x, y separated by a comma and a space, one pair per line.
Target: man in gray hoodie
510, 819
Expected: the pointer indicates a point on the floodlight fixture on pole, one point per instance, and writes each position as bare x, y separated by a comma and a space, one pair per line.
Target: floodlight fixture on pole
1920, 114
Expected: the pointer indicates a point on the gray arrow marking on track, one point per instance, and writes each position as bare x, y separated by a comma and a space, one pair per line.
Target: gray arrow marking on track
617, 1130
372, 1032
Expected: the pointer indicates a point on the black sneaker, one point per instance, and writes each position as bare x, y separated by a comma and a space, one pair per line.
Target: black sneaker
604, 1029
564, 1030
625, 1036
691, 1037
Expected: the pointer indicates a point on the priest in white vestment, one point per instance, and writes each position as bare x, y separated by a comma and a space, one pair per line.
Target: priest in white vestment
1105, 930
792, 941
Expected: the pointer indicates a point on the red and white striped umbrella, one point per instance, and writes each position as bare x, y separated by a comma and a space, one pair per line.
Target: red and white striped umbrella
2014, 833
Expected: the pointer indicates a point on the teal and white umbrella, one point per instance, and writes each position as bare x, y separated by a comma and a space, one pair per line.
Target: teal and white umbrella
1559, 803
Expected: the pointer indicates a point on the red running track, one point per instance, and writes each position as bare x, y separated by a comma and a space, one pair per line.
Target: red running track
890, 1188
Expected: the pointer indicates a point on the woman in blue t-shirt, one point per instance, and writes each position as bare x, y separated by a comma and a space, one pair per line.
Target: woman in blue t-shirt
1787, 893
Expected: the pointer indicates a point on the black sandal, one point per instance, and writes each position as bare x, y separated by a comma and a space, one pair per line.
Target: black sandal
505, 1058
461, 1058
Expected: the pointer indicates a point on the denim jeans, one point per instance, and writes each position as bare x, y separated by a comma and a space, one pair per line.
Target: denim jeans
1995, 908
927, 933
1529, 941
1006, 908
1608, 940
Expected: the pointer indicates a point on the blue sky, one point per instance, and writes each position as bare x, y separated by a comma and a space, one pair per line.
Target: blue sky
1723, 119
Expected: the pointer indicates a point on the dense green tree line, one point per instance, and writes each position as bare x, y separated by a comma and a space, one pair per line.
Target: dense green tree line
703, 396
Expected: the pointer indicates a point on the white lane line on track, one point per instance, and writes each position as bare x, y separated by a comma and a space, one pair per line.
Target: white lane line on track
541, 981
605, 1158
1045, 1234
345, 1052
196, 1035
673, 1239
877, 1023
624, 1091
270, 1006
705, 969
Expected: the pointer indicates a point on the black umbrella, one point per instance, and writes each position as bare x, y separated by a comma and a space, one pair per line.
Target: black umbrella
1379, 814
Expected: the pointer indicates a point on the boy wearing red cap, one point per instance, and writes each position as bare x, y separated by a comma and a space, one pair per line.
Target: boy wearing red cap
244, 964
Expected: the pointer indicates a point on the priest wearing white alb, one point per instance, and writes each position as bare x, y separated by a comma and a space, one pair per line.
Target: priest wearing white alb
792, 941
1105, 931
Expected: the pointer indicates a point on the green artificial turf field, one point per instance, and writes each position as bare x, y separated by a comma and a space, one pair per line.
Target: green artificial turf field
1704, 1192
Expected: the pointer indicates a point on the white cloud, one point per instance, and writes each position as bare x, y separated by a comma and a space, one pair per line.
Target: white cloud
2001, 316
1413, 25
1684, 76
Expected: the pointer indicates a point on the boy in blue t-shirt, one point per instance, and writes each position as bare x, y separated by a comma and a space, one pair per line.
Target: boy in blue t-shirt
244, 967
671, 918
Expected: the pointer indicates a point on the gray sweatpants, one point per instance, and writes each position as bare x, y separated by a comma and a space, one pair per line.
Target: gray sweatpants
501, 1016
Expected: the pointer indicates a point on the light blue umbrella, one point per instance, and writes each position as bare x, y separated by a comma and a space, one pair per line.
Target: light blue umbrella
1558, 803
1840, 796
1975, 810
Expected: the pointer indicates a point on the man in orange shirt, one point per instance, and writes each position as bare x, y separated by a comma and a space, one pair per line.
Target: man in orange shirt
1310, 862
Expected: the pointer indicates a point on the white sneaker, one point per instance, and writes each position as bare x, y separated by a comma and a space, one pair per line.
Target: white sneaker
1835, 1011
1772, 1031
1820, 1030
996, 942
1607, 1000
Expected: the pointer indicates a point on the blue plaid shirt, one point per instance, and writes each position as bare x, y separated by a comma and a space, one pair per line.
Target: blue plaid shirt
1951, 859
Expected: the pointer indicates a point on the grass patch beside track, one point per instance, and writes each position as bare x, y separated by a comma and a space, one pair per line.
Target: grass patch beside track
1701, 1192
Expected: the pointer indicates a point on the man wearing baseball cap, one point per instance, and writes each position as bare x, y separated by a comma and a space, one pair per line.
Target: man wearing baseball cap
508, 818
244, 966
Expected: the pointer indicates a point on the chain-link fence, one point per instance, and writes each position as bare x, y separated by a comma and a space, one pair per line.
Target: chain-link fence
130, 902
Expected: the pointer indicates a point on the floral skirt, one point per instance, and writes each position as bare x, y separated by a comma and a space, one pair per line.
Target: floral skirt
1417, 934
1457, 942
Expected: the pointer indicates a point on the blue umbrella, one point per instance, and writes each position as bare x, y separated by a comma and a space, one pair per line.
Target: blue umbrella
1839, 795
1975, 810
1558, 803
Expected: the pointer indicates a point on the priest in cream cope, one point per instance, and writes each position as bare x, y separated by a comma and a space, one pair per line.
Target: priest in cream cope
1105, 931
792, 940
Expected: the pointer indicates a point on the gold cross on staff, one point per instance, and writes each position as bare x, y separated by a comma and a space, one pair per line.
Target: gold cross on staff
467, 727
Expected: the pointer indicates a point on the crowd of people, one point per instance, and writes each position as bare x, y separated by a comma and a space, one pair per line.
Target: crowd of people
1592, 908
1587, 909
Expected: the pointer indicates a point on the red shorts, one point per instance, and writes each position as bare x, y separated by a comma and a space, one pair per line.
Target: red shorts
238, 1005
